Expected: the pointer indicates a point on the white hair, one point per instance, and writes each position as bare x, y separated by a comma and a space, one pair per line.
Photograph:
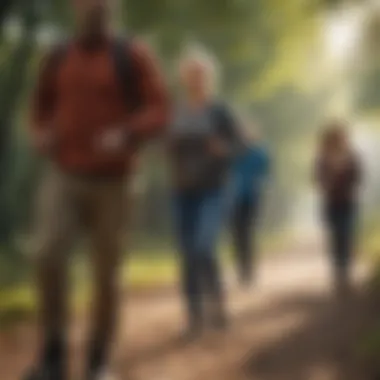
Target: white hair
197, 53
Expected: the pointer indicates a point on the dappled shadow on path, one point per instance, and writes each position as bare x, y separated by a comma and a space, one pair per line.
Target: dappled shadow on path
276, 309
324, 347
303, 334
321, 344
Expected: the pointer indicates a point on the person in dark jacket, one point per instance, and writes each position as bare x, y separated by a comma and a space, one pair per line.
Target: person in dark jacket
203, 139
250, 174
86, 125
338, 174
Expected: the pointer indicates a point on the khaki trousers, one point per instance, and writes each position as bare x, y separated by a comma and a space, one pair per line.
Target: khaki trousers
67, 208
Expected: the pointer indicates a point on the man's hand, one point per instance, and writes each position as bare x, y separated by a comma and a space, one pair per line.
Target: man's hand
218, 147
112, 140
44, 141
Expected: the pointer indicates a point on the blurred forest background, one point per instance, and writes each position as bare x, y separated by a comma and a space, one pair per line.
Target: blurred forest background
291, 64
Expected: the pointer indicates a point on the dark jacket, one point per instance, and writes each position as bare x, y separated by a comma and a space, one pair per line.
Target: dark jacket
194, 166
339, 186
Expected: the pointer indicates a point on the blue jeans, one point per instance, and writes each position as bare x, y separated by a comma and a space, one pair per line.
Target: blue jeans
199, 218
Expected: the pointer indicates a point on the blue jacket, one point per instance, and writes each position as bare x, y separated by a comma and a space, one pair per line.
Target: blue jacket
250, 171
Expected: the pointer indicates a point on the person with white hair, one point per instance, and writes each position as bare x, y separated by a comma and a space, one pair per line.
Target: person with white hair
203, 139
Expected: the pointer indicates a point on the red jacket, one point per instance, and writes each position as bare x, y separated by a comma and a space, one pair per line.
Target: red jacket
82, 98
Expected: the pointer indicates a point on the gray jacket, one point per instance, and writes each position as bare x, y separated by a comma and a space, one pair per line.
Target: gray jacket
194, 166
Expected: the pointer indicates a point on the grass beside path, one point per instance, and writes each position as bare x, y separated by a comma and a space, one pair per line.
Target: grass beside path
141, 271
19, 302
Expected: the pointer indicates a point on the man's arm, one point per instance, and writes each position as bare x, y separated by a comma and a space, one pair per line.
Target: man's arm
152, 117
44, 95
43, 103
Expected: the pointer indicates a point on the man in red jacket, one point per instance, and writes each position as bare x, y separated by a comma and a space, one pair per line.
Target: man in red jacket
87, 123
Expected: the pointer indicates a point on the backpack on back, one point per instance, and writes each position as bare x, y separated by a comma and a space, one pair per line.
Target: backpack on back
123, 65
125, 70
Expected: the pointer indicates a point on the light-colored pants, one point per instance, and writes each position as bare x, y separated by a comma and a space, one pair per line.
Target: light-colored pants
67, 207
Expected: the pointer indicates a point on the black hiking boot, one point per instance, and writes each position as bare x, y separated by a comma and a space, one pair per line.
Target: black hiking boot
192, 333
51, 371
219, 321
247, 280
342, 283
53, 363
97, 368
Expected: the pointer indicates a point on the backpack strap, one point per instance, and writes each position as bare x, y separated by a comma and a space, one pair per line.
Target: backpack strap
223, 123
227, 127
126, 71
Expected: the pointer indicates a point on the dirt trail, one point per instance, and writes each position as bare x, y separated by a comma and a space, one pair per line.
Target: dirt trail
288, 327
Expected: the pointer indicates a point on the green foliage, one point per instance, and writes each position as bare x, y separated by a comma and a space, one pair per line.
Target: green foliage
250, 38
12, 81
263, 46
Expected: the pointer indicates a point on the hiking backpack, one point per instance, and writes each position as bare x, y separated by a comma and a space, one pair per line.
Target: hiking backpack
125, 70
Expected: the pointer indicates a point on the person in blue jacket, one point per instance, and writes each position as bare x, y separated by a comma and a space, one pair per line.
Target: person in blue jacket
250, 174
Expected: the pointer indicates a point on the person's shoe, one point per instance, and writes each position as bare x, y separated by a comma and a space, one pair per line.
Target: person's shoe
101, 374
247, 282
52, 363
219, 322
193, 333
343, 288
97, 368
342, 283
52, 366
47, 372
